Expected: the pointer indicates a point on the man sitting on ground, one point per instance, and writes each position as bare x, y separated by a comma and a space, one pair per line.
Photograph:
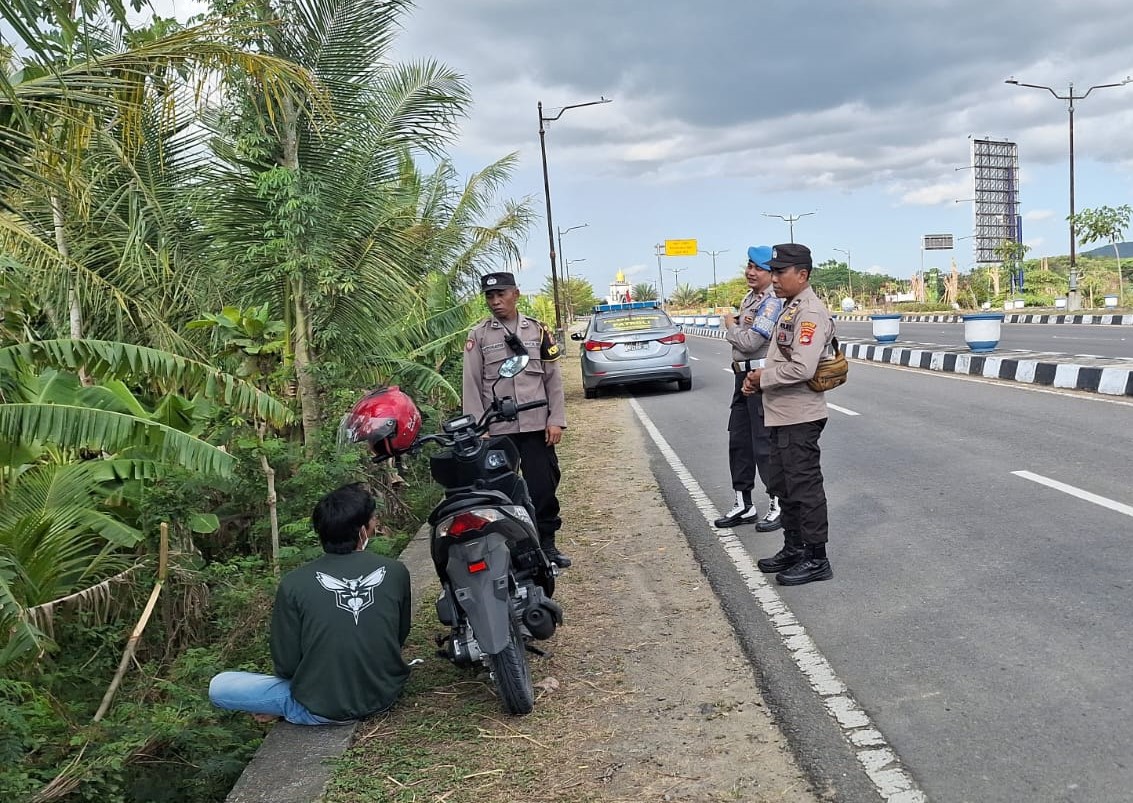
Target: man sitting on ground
337, 628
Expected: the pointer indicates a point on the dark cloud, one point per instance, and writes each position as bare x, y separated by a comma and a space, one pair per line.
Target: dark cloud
863, 91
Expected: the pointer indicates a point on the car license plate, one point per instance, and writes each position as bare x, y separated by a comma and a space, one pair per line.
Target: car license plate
634, 346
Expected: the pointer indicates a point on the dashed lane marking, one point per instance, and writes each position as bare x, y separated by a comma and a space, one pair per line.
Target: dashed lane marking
873, 752
841, 410
1074, 491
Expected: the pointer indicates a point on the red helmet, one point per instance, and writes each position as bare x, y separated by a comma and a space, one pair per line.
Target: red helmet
386, 419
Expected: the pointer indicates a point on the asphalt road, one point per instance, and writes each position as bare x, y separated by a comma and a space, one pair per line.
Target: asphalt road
1091, 340
982, 619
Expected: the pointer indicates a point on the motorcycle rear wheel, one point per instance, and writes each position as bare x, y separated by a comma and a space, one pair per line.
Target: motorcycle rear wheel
512, 675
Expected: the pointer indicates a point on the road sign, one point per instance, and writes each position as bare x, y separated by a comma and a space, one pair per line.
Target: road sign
680, 248
937, 242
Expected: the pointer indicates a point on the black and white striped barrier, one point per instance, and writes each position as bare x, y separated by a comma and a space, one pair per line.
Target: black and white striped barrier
1114, 380
1110, 320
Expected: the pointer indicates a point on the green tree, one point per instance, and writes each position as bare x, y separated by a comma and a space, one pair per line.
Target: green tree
1104, 223
576, 295
643, 291
310, 212
685, 296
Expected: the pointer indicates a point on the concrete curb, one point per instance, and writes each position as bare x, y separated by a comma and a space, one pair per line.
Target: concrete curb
1115, 379
1109, 320
295, 762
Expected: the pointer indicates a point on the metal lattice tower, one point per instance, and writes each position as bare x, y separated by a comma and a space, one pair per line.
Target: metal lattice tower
995, 172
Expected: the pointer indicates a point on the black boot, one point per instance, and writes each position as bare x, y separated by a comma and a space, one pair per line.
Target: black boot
552, 552
791, 553
744, 512
814, 566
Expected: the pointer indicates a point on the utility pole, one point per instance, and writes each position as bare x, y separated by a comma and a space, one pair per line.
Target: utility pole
714, 254
660, 249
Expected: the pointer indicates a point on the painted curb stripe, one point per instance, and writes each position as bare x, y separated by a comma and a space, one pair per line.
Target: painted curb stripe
879, 760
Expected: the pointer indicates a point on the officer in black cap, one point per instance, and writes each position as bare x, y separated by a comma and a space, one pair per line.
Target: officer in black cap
537, 431
796, 416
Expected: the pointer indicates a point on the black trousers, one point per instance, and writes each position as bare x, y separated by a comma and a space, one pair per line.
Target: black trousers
539, 466
796, 478
749, 442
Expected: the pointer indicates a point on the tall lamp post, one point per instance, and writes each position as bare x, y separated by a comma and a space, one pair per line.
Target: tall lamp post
714, 254
790, 220
849, 270
566, 262
547, 194
1072, 300
566, 292
659, 249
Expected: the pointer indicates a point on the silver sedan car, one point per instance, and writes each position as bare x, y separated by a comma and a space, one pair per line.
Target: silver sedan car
630, 343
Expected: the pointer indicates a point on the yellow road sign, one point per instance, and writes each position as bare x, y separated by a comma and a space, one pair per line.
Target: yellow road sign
680, 248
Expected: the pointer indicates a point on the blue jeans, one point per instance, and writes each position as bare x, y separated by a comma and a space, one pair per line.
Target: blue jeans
262, 694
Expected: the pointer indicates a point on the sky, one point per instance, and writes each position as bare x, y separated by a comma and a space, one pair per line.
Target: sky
853, 116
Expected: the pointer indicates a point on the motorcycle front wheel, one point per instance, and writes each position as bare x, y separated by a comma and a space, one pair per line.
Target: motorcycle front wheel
512, 675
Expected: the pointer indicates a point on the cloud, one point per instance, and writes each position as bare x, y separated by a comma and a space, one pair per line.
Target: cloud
814, 106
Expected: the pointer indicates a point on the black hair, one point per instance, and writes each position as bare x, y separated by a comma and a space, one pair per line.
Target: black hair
339, 516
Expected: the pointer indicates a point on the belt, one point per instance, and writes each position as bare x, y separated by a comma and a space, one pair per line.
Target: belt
743, 366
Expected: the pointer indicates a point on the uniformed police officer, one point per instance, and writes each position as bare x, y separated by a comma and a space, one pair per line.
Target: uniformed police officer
796, 415
536, 432
749, 445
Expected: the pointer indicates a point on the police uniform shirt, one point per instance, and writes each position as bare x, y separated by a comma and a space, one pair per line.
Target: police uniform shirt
747, 342
484, 352
802, 338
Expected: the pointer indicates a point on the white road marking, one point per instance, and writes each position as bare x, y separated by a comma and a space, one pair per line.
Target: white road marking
873, 752
842, 410
695, 358
1078, 492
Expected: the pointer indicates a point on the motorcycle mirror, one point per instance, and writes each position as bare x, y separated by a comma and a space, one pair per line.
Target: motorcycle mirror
512, 366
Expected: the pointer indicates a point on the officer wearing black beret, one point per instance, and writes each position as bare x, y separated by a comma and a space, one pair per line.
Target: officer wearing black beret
536, 432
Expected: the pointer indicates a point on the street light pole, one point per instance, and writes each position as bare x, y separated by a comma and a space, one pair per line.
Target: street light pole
849, 270
547, 194
659, 249
790, 220
566, 293
566, 262
714, 254
1072, 300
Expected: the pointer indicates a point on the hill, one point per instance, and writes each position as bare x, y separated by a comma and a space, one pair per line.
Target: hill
1124, 249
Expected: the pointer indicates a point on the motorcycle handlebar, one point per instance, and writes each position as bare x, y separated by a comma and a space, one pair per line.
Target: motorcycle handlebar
519, 408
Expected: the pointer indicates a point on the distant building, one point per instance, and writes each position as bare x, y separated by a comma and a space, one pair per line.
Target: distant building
620, 290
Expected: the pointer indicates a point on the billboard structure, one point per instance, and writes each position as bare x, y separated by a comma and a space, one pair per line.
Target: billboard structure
995, 173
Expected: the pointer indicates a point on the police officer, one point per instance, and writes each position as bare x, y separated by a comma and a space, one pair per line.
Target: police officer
535, 434
749, 445
796, 415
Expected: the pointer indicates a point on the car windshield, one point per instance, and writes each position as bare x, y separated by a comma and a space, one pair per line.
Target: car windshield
631, 322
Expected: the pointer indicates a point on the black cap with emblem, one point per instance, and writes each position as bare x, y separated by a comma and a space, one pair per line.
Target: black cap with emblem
790, 255
497, 281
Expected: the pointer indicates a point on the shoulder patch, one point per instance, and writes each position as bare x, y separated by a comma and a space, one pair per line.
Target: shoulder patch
469, 344
549, 350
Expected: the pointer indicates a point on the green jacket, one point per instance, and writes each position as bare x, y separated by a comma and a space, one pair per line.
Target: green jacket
337, 629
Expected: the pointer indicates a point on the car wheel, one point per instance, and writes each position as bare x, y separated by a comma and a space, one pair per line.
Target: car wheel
684, 384
591, 393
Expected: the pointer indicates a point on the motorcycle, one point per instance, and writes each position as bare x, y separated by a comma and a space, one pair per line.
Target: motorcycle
496, 583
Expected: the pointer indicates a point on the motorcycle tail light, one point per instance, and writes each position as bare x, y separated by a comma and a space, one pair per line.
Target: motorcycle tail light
477, 567
679, 337
597, 345
468, 521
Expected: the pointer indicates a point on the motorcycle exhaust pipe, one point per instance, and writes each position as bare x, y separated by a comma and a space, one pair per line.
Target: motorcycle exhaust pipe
542, 619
